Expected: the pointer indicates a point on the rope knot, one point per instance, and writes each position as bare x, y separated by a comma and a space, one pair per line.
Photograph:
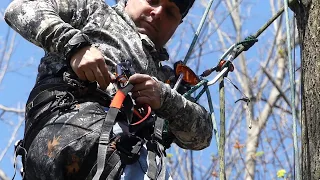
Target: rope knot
248, 42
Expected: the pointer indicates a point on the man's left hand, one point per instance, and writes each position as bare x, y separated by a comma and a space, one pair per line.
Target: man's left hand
146, 90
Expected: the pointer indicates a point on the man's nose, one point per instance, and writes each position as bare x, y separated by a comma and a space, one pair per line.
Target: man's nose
157, 12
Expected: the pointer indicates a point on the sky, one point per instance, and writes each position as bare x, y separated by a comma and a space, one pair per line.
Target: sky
18, 82
15, 88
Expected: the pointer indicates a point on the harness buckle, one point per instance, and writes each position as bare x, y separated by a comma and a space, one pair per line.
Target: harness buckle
29, 106
19, 150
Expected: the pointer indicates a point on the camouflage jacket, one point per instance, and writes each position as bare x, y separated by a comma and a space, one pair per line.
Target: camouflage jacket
59, 26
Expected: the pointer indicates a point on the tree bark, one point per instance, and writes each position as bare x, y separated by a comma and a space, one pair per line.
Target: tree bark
308, 20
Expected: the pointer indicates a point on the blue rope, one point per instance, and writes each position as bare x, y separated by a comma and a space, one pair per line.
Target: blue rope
195, 37
292, 88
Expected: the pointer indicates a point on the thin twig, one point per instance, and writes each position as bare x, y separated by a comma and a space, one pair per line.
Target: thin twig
13, 136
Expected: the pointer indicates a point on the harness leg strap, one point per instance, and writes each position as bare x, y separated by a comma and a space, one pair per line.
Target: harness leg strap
106, 130
154, 146
152, 169
103, 142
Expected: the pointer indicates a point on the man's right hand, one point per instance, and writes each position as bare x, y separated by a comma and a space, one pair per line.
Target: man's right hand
89, 65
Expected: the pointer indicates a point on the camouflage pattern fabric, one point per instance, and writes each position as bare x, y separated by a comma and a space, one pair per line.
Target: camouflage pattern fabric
66, 147
62, 147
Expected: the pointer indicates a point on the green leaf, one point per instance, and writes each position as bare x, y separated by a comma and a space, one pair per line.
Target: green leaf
259, 153
281, 173
169, 155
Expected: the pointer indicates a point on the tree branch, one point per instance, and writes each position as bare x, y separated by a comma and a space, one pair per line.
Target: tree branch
14, 110
3, 176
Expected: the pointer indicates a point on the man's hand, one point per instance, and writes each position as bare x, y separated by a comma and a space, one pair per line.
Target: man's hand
146, 90
88, 63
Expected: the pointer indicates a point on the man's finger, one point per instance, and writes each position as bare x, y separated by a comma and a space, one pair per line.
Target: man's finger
142, 100
147, 100
104, 71
112, 77
139, 78
139, 87
81, 75
100, 78
137, 94
89, 75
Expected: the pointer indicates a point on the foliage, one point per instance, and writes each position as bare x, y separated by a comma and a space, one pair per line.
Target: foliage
281, 173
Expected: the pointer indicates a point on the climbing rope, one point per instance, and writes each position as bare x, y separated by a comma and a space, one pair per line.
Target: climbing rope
248, 42
196, 35
222, 137
292, 88
233, 52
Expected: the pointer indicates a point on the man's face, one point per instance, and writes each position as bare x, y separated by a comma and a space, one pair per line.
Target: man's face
158, 19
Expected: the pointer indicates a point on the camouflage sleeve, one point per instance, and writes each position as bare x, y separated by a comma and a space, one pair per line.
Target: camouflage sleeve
50, 24
189, 122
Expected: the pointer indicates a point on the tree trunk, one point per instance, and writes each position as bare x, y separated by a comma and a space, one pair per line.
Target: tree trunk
308, 18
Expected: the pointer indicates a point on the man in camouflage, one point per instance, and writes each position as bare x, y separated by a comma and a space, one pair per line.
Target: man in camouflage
87, 39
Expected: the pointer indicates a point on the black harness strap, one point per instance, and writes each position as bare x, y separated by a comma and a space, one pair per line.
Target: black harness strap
112, 165
41, 106
152, 168
154, 147
114, 173
44, 96
105, 134
103, 143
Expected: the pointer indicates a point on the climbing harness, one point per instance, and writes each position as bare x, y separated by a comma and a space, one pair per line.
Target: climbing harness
144, 128
114, 151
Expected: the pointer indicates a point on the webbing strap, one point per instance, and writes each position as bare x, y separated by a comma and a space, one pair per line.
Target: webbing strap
118, 100
44, 96
103, 142
106, 129
114, 171
155, 146
152, 168
162, 173
112, 163
158, 128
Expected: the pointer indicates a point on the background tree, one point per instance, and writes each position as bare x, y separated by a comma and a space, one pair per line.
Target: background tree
307, 14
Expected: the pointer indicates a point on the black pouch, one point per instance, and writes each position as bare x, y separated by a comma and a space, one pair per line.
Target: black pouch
128, 147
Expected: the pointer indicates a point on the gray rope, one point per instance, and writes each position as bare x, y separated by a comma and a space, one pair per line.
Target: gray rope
292, 87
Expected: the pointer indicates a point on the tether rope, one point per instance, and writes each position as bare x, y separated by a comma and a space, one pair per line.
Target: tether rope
292, 87
196, 35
